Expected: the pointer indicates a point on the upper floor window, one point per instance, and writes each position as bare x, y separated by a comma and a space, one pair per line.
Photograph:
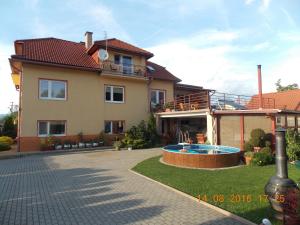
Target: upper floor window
158, 97
52, 89
114, 94
55, 128
125, 62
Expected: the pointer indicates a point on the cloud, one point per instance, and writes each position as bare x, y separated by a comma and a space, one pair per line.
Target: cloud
264, 5
249, 2
7, 89
289, 18
208, 66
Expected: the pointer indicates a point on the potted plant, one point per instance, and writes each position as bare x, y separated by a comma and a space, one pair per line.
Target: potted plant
88, 144
117, 145
74, 145
67, 144
248, 157
81, 143
129, 147
101, 138
57, 144
167, 107
95, 143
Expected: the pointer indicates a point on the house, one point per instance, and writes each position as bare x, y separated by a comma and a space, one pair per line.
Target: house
65, 88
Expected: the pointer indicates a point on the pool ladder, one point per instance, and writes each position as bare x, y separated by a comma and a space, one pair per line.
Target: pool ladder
183, 137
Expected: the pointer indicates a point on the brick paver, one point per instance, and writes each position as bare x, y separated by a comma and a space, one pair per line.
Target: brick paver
92, 188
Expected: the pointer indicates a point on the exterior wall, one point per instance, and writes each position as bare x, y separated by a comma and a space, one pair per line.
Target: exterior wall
167, 86
253, 122
230, 134
85, 108
209, 124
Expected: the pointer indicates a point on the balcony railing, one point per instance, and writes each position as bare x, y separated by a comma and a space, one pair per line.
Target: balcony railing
189, 102
122, 69
217, 101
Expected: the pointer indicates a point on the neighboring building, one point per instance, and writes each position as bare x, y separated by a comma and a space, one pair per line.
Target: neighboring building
66, 89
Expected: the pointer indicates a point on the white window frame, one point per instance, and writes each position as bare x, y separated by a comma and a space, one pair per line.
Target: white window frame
111, 125
48, 128
49, 90
112, 94
157, 91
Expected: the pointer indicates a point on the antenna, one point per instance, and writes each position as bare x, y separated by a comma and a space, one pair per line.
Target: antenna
103, 54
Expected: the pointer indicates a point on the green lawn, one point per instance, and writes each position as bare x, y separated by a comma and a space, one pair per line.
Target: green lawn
238, 190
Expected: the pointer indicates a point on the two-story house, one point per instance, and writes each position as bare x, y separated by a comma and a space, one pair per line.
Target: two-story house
65, 88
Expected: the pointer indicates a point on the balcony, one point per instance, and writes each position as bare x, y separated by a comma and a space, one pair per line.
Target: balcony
216, 101
122, 69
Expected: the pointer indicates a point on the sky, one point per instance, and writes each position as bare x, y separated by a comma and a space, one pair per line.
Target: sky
216, 44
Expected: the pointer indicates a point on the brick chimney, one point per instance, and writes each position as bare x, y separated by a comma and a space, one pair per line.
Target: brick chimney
260, 98
88, 39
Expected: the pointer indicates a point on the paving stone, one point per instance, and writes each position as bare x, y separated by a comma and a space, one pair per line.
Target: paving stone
92, 188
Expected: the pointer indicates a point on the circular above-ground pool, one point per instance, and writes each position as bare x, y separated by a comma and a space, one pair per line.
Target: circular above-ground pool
201, 156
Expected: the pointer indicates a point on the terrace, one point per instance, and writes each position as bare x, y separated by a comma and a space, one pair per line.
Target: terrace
217, 101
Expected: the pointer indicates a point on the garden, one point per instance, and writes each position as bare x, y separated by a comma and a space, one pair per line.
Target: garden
8, 133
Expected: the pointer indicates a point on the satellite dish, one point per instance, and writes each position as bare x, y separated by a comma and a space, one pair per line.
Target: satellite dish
103, 54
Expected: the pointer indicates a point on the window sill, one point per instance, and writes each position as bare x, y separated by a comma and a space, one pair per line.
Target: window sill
54, 99
114, 102
52, 135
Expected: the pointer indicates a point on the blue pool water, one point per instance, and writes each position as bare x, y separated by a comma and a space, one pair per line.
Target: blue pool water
201, 149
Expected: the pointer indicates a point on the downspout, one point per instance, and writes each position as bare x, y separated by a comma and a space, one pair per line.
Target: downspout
19, 112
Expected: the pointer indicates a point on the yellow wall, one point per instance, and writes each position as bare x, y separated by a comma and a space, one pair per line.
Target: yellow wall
85, 108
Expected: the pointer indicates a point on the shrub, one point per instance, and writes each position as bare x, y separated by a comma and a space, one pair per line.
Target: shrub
9, 127
262, 159
248, 146
4, 146
142, 135
249, 154
293, 145
266, 150
257, 137
6, 140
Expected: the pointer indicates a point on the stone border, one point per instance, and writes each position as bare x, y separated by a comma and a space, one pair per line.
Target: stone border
198, 168
224, 212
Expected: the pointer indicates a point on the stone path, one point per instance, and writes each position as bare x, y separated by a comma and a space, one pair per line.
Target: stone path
92, 188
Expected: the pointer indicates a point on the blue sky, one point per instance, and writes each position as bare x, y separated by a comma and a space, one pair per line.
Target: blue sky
213, 43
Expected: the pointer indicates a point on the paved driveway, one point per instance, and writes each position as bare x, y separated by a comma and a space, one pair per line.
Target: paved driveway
92, 188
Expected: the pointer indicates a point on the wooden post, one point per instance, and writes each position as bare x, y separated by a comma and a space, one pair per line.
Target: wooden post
242, 130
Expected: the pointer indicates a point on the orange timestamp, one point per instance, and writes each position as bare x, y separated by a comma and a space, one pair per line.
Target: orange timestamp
238, 198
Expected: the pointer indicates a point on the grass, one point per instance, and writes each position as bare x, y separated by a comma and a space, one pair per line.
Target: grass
238, 190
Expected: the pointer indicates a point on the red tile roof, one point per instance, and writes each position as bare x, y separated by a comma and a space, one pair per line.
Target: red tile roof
53, 51
119, 45
56, 51
160, 73
288, 100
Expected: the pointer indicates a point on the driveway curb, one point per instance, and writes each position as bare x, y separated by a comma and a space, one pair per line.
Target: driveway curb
224, 212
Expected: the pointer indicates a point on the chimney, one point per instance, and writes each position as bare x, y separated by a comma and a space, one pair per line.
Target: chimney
19, 45
88, 39
260, 99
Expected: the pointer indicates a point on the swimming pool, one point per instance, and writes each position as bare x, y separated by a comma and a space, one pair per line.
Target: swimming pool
201, 156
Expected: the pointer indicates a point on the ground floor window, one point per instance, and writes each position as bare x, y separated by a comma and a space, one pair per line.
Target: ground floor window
114, 127
55, 128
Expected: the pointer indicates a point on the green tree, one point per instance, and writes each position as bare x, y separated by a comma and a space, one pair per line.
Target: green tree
9, 126
280, 88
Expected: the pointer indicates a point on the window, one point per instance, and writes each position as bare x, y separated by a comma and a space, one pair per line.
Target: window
114, 94
280, 121
52, 89
114, 127
157, 97
55, 128
126, 62
291, 122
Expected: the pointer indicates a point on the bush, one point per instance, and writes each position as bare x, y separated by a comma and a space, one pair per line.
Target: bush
9, 128
266, 150
262, 159
142, 136
257, 137
293, 145
248, 146
6, 140
4, 147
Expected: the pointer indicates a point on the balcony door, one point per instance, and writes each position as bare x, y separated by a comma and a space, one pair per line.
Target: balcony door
125, 62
